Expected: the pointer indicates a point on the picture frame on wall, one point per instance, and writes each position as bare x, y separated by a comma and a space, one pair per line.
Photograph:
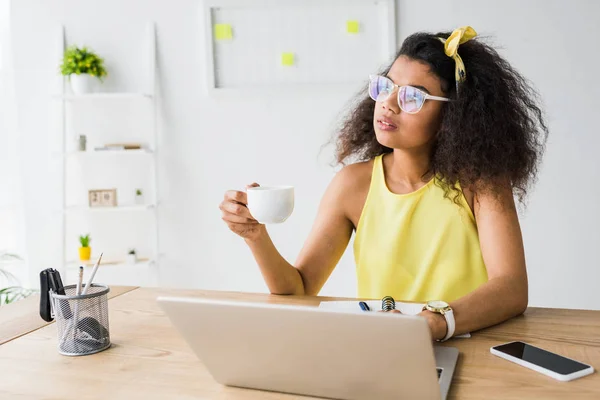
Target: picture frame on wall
102, 197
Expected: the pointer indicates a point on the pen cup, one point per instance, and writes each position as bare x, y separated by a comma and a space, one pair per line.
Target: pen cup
82, 321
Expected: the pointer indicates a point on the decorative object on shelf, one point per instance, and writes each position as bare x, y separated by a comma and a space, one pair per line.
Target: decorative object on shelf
139, 197
83, 67
102, 197
81, 143
85, 251
131, 256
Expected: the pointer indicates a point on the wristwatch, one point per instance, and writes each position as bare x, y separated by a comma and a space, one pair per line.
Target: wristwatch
441, 307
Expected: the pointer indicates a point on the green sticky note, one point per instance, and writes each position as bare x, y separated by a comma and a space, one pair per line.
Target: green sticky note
352, 26
287, 59
223, 32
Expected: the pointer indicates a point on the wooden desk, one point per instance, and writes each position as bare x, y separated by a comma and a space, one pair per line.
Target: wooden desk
148, 358
23, 316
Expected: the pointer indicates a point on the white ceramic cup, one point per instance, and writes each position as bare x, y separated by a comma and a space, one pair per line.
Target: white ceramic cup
270, 204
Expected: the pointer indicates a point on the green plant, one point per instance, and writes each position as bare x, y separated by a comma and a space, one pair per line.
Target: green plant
85, 240
13, 293
82, 61
138, 192
131, 251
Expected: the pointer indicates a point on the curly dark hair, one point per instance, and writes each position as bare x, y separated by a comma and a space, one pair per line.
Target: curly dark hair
493, 130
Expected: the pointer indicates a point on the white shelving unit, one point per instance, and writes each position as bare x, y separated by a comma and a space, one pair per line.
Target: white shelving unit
103, 96
142, 207
104, 153
114, 269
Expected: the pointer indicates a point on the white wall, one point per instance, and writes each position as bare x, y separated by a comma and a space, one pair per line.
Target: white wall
553, 43
210, 145
11, 213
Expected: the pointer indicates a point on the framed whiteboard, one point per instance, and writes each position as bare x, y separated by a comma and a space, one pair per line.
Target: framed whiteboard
269, 43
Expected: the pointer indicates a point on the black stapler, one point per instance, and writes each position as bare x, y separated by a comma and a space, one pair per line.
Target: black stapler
50, 280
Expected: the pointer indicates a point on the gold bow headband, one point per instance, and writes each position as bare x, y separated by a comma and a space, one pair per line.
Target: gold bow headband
459, 36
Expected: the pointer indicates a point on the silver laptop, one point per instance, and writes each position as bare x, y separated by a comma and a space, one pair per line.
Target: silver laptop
314, 351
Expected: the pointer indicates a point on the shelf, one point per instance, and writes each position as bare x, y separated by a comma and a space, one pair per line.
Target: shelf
101, 153
143, 207
143, 273
122, 262
71, 110
104, 96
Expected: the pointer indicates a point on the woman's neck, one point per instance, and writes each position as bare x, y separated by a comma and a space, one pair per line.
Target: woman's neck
407, 167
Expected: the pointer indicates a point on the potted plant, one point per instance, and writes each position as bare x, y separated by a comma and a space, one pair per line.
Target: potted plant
83, 67
139, 197
85, 251
131, 256
12, 292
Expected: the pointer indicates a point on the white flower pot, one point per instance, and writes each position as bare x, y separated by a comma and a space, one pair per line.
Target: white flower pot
131, 258
82, 83
139, 199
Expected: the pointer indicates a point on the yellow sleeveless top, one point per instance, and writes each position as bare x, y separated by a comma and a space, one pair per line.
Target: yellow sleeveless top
418, 246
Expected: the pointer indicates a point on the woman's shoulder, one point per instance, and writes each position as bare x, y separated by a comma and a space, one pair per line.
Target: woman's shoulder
350, 188
355, 176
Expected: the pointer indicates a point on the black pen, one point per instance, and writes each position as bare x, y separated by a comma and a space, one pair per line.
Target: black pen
364, 306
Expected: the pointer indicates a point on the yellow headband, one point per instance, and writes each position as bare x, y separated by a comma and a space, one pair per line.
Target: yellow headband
459, 36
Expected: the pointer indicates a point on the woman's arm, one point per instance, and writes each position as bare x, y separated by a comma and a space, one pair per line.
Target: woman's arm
505, 294
322, 250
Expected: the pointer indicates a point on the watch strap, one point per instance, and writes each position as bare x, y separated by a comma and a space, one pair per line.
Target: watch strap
450, 323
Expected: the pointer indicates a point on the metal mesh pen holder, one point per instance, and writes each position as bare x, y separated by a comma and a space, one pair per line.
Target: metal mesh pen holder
82, 321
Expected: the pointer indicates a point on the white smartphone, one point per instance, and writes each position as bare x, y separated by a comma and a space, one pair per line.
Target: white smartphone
543, 361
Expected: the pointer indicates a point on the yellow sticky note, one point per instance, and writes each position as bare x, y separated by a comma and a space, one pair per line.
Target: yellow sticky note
287, 59
352, 26
223, 32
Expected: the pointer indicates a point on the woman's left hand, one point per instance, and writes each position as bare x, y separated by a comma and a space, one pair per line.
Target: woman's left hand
436, 322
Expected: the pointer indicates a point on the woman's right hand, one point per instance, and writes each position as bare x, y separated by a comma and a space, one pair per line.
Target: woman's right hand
236, 215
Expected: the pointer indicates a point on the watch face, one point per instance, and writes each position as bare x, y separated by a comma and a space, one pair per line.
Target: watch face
438, 304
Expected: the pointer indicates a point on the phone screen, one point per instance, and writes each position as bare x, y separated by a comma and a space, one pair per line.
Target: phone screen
542, 358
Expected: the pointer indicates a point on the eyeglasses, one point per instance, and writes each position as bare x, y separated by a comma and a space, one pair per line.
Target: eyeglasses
410, 99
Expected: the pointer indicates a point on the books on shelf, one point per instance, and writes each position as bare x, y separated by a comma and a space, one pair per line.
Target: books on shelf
119, 146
